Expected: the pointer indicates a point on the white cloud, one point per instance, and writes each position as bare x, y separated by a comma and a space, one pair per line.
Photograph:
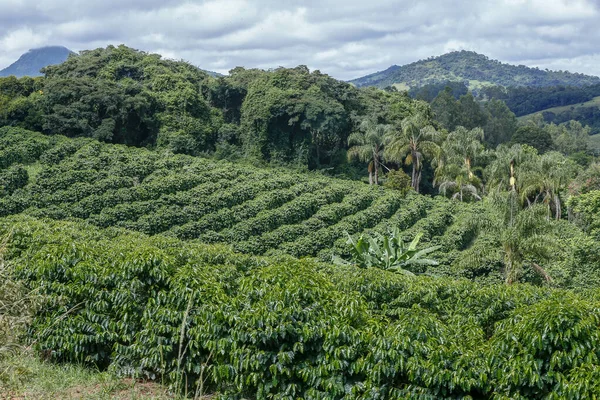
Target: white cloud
345, 38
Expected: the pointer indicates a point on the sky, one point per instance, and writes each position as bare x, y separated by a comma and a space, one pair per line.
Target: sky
343, 38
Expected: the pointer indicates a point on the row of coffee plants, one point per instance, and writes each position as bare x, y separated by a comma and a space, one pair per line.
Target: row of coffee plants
239, 326
255, 210
190, 198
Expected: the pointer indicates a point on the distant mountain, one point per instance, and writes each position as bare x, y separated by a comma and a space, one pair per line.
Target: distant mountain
30, 63
476, 70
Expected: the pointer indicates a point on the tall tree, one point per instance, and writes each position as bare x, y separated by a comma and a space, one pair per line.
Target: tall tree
546, 178
525, 237
417, 139
456, 163
501, 123
446, 109
471, 115
465, 145
368, 144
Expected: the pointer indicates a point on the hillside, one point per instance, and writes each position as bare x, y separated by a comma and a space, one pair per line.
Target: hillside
30, 63
255, 210
180, 269
587, 113
476, 69
216, 238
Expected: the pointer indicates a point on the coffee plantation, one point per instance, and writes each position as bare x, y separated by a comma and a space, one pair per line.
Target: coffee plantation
217, 236
277, 327
260, 211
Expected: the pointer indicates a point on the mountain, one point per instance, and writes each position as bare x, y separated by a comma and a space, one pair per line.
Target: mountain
30, 63
477, 70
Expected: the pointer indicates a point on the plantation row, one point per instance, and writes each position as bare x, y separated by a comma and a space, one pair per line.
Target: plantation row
256, 210
244, 326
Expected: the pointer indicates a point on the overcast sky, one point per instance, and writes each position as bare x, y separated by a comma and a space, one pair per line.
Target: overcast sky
344, 38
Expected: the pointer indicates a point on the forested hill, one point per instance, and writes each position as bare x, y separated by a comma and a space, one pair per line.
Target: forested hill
475, 68
30, 63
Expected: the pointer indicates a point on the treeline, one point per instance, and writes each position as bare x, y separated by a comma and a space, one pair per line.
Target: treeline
120, 95
475, 68
527, 100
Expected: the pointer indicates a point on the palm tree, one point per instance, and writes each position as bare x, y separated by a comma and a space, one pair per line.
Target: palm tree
466, 145
416, 140
546, 178
367, 145
523, 235
506, 171
460, 183
455, 164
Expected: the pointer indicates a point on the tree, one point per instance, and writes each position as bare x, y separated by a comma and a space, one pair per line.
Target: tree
416, 140
455, 164
501, 123
569, 138
367, 146
505, 172
446, 109
524, 236
545, 179
471, 116
533, 136
466, 146
457, 183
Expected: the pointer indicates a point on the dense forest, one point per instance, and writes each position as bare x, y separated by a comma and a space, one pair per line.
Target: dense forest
281, 234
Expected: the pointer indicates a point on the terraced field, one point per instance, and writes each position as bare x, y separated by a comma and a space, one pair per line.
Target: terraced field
256, 210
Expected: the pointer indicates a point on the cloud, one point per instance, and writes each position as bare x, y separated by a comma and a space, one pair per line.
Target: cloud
344, 38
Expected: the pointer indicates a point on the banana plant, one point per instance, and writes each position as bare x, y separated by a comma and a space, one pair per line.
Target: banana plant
388, 252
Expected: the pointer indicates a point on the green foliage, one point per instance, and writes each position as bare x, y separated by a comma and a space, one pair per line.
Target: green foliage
121, 95
475, 68
533, 136
587, 208
242, 326
389, 252
417, 140
398, 180
264, 210
13, 178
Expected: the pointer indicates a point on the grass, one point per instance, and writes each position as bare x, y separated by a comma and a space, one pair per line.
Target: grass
24, 376
402, 86
595, 102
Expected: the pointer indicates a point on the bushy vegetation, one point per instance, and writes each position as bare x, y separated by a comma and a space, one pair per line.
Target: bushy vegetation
242, 326
120, 95
252, 277
273, 211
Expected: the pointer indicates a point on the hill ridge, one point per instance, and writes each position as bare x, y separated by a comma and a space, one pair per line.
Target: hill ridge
474, 68
31, 62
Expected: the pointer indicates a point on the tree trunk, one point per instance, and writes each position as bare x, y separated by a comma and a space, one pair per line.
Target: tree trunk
376, 163
542, 272
509, 272
558, 214
370, 178
415, 172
